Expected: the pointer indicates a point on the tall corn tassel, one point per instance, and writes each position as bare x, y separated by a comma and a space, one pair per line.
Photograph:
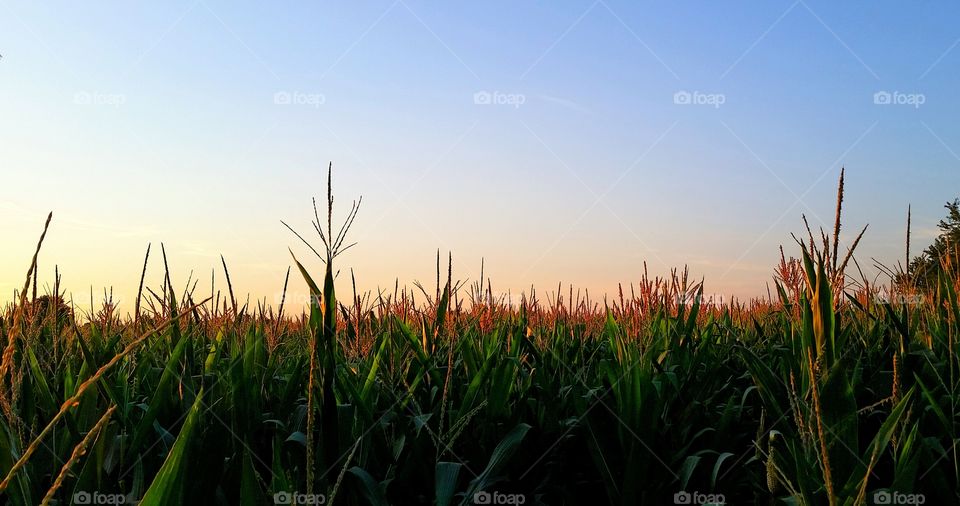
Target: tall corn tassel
8, 392
773, 482
895, 392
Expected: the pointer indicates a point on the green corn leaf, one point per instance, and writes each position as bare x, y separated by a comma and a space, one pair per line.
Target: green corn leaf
498, 459
687, 469
250, 492
168, 487
314, 289
19, 490
372, 491
446, 482
161, 396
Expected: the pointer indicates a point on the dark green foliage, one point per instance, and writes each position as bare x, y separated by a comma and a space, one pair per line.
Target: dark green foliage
924, 268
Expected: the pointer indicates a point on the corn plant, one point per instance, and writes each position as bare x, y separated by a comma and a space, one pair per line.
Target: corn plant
824, 393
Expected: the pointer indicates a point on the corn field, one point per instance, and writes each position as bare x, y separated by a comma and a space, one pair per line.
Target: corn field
826, 392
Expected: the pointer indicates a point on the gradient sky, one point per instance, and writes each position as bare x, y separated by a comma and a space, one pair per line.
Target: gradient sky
141, 123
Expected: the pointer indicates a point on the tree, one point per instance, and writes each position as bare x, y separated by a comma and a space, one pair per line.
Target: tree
53, 307
925, 267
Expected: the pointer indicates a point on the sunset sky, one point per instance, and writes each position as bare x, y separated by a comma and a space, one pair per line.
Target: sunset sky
561, 142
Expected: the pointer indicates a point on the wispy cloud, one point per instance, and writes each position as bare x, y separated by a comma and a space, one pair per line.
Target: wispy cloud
926, 233
723, 263
196, 250
569, 104
73, 223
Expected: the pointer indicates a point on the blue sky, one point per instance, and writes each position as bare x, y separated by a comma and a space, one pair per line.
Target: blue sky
140, 123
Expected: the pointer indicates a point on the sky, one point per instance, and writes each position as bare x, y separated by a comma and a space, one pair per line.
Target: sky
558, 142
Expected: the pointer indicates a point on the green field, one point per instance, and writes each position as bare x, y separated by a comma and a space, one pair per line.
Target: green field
827, 392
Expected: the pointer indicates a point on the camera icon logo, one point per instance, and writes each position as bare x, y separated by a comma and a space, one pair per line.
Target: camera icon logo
482, 497
282, 498
682, 497
682, 97
282, 98
82, 498
882, 98
82, 98
482, 98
